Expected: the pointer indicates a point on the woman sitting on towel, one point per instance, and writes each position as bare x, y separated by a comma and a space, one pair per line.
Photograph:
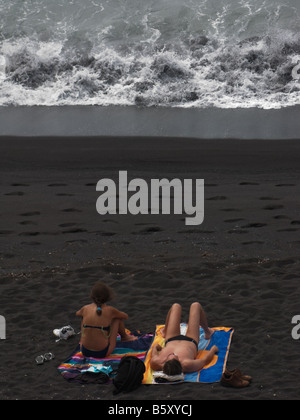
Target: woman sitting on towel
101, 324
180, 351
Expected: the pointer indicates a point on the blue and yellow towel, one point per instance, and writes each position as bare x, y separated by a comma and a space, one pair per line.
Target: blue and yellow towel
212, 372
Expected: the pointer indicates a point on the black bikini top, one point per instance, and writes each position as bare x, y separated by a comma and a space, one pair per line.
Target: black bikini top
98, 328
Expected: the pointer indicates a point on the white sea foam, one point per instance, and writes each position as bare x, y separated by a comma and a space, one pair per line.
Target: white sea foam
179, 54
2, 68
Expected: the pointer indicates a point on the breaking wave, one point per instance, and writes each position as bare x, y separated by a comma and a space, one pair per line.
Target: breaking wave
167, 53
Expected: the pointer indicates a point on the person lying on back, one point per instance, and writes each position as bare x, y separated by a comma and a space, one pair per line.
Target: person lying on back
180, 352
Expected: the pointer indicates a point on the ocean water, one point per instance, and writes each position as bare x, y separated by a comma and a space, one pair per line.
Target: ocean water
167, 53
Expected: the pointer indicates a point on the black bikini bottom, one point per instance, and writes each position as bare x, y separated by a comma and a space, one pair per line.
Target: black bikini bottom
94, 354
183, 338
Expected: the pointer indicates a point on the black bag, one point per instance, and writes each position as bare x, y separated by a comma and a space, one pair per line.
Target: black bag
130, 374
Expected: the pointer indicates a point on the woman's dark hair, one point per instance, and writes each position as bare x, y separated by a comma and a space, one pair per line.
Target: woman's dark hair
100, 294
172, 367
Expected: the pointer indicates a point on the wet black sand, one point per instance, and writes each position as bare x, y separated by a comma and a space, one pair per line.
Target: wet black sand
159, 122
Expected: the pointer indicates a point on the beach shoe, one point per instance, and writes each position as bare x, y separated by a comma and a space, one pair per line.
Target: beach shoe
44, 358
48, 357
233, 380
64, 333
40, 360
238, 372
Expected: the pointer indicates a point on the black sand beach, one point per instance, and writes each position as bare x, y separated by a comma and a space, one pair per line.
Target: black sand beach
242, 263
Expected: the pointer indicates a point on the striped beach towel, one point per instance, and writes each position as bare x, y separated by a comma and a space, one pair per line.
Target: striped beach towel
212, 372
76, 365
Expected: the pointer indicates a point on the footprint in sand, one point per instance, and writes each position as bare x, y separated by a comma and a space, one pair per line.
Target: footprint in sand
103, 233
107, 233
238, 231
74, 231
273, 207
255, 225
28, 223
152, 229
230, 210
15, 193
29, 234
217, 198
8, 256
29, 214
281, 217
148, 231
83, 241
249, 183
